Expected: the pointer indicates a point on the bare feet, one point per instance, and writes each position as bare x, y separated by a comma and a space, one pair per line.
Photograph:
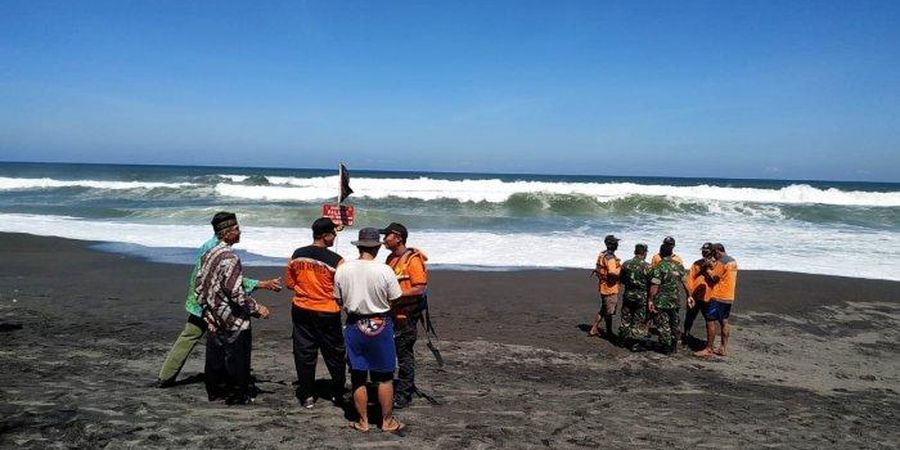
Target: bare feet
361, 427
721, 351
392, 425
594, 332
705, 353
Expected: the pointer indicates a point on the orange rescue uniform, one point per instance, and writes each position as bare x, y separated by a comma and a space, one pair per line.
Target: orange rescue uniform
411, 272
697, 286
313, 284
726, 269
656, 259
608, 270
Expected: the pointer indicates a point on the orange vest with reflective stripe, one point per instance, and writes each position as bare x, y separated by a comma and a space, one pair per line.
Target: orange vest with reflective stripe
401, 266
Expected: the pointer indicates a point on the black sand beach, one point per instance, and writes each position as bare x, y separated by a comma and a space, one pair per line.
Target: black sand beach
814, 364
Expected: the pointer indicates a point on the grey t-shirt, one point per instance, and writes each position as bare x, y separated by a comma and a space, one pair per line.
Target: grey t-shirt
366, 287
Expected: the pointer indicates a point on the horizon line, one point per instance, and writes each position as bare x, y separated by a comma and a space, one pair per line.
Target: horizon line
225, 166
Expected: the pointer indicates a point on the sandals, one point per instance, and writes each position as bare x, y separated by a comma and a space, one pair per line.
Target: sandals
394, 426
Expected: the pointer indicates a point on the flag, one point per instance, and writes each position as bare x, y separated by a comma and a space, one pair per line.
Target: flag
345, 183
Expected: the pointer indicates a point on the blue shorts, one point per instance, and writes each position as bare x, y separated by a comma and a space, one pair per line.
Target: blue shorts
370, 344
717, 310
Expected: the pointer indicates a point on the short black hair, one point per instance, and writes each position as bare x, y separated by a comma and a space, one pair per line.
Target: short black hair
322, 226
665, 251
719, 247
369, 250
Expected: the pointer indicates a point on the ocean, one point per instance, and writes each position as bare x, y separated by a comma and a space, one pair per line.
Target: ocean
469, 221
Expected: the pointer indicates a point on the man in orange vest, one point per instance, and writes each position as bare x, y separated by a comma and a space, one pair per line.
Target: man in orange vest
315, 314
409, 266
608, 270
670, 242
699, 290
722, 279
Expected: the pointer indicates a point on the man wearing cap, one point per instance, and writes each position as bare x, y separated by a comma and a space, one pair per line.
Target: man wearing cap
365, 288
722, 279
409, 267
698, 289
635, 276
195, 328
608, 268
227, 310
670, 242
662, 302
315, 315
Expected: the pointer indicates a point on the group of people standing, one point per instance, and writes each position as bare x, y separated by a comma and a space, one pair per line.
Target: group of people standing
650, 296
382, 302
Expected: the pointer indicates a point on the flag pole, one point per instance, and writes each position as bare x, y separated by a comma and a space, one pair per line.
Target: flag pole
340, 180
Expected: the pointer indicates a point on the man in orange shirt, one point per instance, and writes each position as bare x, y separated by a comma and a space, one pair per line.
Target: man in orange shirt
722, 279
409, 265
698, 289
608, 269
670, 242
315, 314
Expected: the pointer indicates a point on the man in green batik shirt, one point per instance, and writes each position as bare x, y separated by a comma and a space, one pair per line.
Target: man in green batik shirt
195, 327
665, 278
635, 278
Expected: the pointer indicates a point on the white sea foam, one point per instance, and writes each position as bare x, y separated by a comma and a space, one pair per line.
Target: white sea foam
495, 190
489, 190
792, 246
7, 183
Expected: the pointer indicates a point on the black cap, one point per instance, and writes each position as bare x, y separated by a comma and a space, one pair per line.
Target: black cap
395, 228
669, 240
610, 239
368, 237
223, 220
640, 249
706, 246
321, 226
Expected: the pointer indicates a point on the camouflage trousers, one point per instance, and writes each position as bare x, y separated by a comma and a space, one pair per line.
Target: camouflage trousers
666, 323
634, 317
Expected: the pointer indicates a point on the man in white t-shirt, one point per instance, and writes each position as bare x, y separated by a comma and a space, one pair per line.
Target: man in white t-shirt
365, 288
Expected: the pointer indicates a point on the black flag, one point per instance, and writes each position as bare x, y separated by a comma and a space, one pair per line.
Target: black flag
345, 184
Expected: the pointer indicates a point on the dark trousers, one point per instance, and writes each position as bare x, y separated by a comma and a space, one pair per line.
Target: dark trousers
228, 364
689, 315
405, 335
315, 331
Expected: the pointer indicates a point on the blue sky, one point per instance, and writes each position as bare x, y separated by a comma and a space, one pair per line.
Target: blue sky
804, 89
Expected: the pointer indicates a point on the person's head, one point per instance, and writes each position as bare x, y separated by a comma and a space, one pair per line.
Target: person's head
670, 241
226, 227
612, 242
395, 235
719, 250
665, 251
368, 242
706, 250
640, 250
323, 231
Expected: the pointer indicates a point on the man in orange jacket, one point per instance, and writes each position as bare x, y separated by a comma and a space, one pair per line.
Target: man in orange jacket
315, 314
722, 279
608, 269
409, 265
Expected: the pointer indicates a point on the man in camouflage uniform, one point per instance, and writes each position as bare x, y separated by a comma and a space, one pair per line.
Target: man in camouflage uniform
665, 279
635, 278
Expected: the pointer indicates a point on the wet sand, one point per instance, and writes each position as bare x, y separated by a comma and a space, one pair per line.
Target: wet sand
814, 364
